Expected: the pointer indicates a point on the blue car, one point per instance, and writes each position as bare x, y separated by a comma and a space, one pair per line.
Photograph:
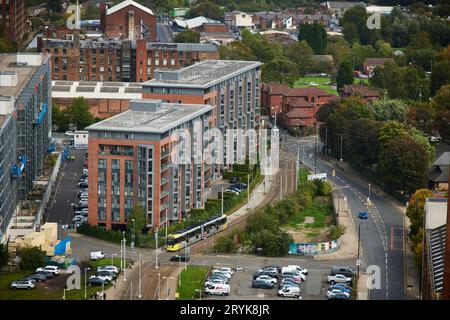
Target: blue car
341, 287
363, 215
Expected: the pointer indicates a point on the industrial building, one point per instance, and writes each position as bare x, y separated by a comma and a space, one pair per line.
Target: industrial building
25, 127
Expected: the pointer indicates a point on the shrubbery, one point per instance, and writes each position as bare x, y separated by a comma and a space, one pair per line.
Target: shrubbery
31, 258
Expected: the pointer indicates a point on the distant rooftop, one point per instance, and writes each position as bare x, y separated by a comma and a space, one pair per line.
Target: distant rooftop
9, 65
97, 90
151, 116
201, 75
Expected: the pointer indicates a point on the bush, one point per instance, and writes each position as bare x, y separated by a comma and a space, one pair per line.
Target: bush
3, 256
95, 232
31, 258
335, 232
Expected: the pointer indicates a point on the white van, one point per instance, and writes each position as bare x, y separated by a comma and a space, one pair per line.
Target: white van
298, 268
97, 255
289, 292
218, 289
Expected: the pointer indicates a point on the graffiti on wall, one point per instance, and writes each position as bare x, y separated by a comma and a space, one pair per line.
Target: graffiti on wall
314, 248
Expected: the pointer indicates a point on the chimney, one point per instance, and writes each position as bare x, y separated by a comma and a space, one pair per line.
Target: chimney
103, 8
131, 25
446, 284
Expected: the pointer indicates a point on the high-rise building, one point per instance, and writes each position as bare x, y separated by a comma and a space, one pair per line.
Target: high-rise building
25, 127
130, 162
13, 19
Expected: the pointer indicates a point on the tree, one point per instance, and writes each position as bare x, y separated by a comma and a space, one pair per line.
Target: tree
315, 35
416, 209
207, 9
421, 116
3, 256
384, 49
262, 49
272, 244
140, 220
237, 50
441, 105
344, 74
389, 109
280, 69
439, 76
59, 119
54, 5
187, 36
301, 54
78, 113
31, 258
338, 48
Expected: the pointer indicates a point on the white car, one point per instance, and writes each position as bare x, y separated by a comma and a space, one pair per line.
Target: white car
52, 269
333, 292
298, 268
68, 133
22, 284
227, 270
267, 278
214, 281
79, 218
289, 292
218, 289
108, 268
339, 278
102, 277
226, 274
97, 255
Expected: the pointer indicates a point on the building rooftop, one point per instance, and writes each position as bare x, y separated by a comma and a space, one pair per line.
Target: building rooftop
151, 116
201, 75
97, 90
9, 65
127, 3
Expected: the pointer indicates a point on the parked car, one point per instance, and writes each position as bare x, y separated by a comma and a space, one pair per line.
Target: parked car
81, 213
338, 296
340, 286
272, 266
268, 273
267, 278
298, 268
339, 278
232, 191
227, 274
111, 274
218, 289
289, 292
288, 282
224, 279
294, 274
103, 276
82, 185
262, 283
47, 274
294, 279
239, 186
22, 284
226, 270
363, 215
37, 277
96, 281
211, 282
69, 133
97, 255
333, 292
108, 268
79, 218
234, 180
53, 269
346, 271
178, 258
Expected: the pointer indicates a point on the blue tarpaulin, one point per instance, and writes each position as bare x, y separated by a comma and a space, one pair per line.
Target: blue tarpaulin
63, 247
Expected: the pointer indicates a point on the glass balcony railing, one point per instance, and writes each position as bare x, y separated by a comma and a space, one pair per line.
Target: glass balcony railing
164, 194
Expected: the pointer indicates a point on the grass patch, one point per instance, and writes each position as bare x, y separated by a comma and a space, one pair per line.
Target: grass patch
318, 211
192, 278
304, 82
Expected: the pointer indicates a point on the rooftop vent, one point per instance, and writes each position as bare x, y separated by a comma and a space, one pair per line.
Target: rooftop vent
145, 105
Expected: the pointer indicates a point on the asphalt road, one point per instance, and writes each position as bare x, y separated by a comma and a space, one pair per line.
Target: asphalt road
60, 209
382, 235
163, 33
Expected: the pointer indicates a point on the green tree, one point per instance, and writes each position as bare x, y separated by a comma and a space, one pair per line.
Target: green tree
237, 50
441, 106
439, 76
54, 5
344, 74
262, 49
389, 109
271, 244
281, 70
338, 48
301, 54
416, 209
78, 113
207, 9
140, 221
384, 49
3, 256
187, 36
59, 119
31, 258
315, 35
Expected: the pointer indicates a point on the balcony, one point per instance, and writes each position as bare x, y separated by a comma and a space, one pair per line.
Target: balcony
164, 153
163, 207
164, 181
164, 193
164, 167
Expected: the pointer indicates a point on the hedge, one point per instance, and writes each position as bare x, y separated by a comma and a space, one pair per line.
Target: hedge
95, 232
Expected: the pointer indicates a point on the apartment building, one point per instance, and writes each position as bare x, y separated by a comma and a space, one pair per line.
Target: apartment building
120, 60
130, 162
25, 127
13, 19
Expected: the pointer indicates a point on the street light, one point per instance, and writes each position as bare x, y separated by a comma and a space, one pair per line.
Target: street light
368, 199
124, 257
85, 282
159, 283
140, 275
112, 258
275, 108
342, 137
358, 262
167, 285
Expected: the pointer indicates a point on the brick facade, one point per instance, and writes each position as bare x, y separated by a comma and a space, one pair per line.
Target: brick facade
13, 19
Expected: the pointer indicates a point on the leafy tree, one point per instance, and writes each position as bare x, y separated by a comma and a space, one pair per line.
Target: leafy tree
273, 244
439, 76
59, 119
344, 74
416, 209
301, 54
384, 49
187, 36
54, 5
338, 48
389, 109
421, 116
237, 50
441, 105
31, 258
78, 113
140, 221
207, 9
315, 35
3, 256
262, 49
280, 69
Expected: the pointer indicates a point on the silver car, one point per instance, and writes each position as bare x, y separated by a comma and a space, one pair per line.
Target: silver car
22, 284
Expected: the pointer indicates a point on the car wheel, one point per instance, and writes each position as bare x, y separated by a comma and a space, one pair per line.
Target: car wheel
223, 294
332, 282
28, 288
14, 288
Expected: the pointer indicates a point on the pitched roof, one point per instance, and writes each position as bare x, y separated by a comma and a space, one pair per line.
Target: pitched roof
377, 61
126, 3
297, 113
300, 102
360, 90
310, 91
275, 87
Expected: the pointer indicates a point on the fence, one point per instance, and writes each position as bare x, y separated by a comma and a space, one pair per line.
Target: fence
314, 248
48, 192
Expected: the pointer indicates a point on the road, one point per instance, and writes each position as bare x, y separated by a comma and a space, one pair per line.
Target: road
163, 33
382, 235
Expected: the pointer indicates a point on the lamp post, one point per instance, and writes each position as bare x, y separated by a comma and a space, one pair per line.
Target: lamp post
85, 282
358, 262
159, 283
368, 199
124, 257
140, 275
112, 258
315, 155
275, 117
156, 249
248, 191
342, 137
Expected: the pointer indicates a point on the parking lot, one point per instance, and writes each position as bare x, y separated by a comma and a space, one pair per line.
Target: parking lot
314, 288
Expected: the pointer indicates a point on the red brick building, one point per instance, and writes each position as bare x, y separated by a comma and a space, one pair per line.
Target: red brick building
128, 20
13, 19
364, 92
271, 97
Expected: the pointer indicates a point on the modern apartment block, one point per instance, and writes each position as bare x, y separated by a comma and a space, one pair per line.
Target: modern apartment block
25, 126
130, 162
120, 60
13, 19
